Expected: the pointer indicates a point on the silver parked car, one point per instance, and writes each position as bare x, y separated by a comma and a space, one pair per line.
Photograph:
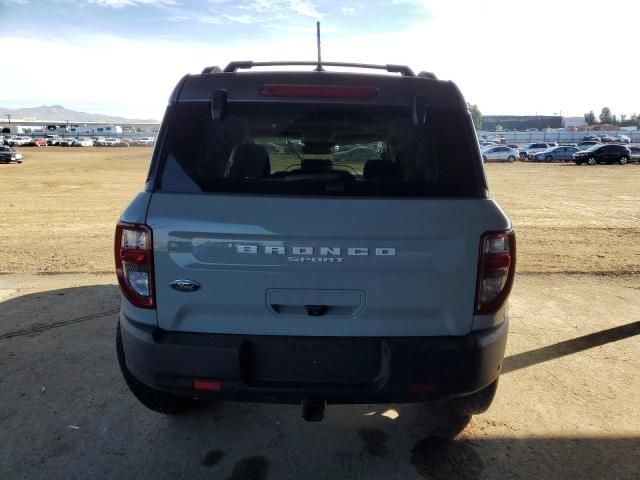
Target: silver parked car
499, 154
562, 153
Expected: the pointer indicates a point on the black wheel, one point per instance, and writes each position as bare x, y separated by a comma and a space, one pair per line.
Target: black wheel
591, 161
548, 158
439, 421
623, 160
523, 156
151, 398
473, 404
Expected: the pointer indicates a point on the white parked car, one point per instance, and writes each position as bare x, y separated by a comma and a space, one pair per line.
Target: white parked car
530, 150
108, 142
146, 140
83, 142
622, 139
500, 153
67, 142
19, 141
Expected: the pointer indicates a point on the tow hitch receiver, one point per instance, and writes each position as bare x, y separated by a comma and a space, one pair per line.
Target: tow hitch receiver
313, 410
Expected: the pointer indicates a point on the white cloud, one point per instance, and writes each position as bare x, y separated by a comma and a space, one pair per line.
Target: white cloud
304, 9
266, 11
245, 18
348, 10
10, 3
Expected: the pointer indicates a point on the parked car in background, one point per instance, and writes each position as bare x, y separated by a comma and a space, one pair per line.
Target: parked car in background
356, 154
146, 140
588, 144
528, 151
552, 154
19, 141
53, 140
591, 138
603, 154
107, 142
8, 155
38, 142
607, 139
499, 153
621, 139
83, 142
635, 153
67, 142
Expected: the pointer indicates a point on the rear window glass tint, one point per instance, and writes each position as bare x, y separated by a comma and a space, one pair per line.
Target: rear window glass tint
302, 149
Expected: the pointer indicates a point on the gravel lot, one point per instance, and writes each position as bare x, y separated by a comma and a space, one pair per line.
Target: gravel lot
567, 405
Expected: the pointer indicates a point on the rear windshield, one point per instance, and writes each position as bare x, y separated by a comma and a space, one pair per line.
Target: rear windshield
303, 149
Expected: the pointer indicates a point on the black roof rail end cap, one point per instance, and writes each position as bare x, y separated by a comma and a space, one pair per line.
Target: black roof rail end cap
212, 69
430, 75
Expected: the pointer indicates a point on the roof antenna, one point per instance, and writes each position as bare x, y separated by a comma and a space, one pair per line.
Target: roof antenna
319, 67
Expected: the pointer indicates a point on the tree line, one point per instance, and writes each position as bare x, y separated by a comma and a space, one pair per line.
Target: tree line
606, 117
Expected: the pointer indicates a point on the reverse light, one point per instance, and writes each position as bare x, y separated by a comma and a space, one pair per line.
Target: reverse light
496, 270
134, 263
319, 91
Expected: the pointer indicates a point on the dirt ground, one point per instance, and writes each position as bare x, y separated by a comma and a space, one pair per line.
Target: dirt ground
567, 406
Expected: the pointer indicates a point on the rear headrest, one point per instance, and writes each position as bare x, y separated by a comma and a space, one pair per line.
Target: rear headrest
248, 160
316, 166
381, 170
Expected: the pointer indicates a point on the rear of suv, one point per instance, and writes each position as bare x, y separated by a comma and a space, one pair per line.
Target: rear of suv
314, 237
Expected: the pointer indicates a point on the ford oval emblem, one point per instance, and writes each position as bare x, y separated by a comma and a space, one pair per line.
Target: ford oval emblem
187, 286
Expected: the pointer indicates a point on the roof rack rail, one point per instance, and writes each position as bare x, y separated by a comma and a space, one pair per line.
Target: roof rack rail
402, 69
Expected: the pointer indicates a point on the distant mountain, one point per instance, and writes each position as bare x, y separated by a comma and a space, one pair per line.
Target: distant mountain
57, 113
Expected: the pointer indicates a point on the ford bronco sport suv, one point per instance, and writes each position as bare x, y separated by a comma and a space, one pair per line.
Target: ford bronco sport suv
314, 237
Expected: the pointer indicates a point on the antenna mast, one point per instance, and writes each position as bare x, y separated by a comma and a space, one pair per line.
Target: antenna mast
319, 66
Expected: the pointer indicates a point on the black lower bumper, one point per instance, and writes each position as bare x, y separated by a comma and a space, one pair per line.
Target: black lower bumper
285, 369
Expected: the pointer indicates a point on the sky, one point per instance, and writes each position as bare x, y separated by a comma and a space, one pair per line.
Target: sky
123, 57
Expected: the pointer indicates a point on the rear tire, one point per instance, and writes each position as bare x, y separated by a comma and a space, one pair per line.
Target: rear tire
623, 160
511, 159
591, 161
473, 404
156, 400
548, 158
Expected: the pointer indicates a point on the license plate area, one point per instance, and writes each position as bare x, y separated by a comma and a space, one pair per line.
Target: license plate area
315, 363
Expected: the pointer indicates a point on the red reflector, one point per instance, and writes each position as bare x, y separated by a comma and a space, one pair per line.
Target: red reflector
420, 388
209, 385
498, 261
322, 91
132, 255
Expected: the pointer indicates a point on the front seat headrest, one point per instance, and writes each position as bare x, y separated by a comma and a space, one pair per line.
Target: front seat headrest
248, 160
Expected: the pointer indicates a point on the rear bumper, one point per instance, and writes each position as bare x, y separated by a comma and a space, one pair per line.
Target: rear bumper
283, 369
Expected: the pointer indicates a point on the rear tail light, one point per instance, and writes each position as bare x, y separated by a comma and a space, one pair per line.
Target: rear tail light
134, 263
321, 91
496, 269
